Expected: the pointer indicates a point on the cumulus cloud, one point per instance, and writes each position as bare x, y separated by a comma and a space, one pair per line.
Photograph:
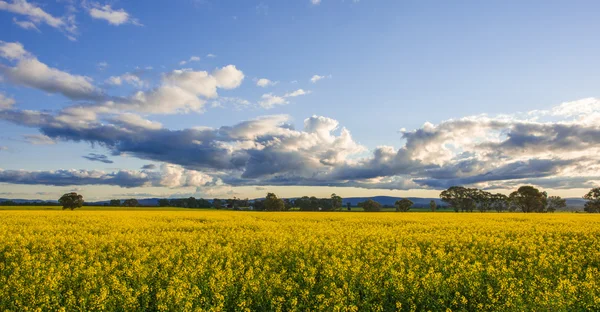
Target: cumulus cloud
98, 157
30, 72
37, 15
112, 16
482, 151
264, 82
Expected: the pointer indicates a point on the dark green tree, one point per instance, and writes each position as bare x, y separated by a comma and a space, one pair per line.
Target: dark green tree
217, 203
336, 202
593, 201
71, 201
529, 199
371, 205
403, 205
459, 198
115, 203
432, 205
272, 203
556, 203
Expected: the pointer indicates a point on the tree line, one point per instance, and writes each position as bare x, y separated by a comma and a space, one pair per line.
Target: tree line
461, 199
525, 199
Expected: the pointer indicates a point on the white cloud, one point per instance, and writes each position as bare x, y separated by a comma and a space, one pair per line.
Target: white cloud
6, 102
181, 91
25, 24
30, 72
136, 121
228, 77
298, 92
191, 59
37, 15
3, 148
210, 55
315, 2
316, 78
264, 82
269, 101
13, 50
112, 16
39, 139
128, 78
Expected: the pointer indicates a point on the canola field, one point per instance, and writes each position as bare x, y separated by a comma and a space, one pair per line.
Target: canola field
253, 261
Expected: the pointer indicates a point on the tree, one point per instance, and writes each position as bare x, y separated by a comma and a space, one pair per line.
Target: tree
403, 205
272, 203
593, 201
115, 203
217, 203
371, 205
349, 206
163, 202
459, 198
499, 202
71, 201
131, 202
336, 202
556, 203
203, 203
432, 205
483, 199
529, 199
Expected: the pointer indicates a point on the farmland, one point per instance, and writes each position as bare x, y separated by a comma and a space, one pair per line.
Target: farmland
183, 260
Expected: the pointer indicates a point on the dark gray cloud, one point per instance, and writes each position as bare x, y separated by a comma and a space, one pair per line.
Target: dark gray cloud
169, 176
98, 157
122, 178
149, 167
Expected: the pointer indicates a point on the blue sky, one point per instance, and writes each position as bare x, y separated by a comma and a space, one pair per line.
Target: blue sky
386, 67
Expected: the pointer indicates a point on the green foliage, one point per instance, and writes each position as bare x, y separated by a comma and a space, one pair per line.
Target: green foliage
556, 203
370, 205
529, 199
593, 201
432, 206
115, 203
71, 201
272, 203
403, 205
